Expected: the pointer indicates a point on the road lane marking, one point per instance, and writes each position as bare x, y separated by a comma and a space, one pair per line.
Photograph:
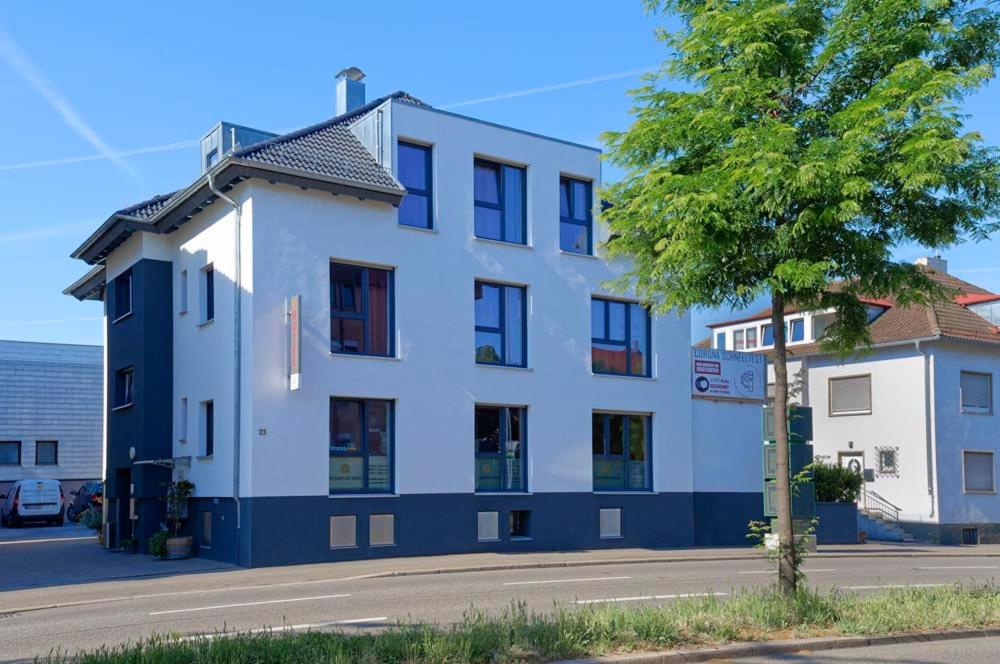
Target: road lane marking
50, 539
642, 598
771, 571
233, 606
899, 585
286, 628
955, 567
596, 578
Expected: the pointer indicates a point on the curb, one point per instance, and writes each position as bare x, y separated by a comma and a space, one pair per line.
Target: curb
768, 648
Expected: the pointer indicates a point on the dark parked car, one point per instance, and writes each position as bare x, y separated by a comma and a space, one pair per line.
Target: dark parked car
91, 494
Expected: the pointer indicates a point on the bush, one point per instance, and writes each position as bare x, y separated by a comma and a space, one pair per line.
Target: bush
91, 518
158, 544
836, 484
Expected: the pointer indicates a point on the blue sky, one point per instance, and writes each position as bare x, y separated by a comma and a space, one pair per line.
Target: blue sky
103, 105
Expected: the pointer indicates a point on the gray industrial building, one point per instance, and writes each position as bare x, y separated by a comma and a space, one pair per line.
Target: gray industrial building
51, 410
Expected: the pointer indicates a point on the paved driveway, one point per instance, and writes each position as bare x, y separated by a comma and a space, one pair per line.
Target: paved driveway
36, 556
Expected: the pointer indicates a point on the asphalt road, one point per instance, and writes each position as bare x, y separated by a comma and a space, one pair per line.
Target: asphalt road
966, 651
115, 612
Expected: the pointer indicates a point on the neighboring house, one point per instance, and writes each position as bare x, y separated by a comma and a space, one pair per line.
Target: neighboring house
919, 409
388, 334
51, 406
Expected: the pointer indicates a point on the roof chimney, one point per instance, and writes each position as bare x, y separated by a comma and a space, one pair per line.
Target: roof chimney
934, 263
350, 90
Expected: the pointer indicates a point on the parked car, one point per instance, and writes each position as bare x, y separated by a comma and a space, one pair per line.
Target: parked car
90, 495
33, 500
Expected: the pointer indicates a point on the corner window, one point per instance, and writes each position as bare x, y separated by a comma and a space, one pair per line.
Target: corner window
621, 452
10, 453
977, 472
575, 217
124, 380
851, 395
500, 449
619, 338
500, 202
720, 340
977, 392
207, 428
123, 295
361, 447
360, 310
46, 453
414, 170
501, 328
207, 294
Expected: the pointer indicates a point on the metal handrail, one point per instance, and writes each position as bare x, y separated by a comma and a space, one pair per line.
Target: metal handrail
872, 502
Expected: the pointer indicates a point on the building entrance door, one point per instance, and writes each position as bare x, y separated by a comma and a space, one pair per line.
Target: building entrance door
853, 460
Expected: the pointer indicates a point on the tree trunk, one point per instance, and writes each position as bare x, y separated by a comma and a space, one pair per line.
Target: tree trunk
786, 536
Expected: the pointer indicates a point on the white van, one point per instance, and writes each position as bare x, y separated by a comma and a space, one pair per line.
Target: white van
33, 500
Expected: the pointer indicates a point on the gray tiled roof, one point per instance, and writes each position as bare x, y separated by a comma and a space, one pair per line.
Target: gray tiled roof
148, 208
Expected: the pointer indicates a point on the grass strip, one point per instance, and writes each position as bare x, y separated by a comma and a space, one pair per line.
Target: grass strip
519, 635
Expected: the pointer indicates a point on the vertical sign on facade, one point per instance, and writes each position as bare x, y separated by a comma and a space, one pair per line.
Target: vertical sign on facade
294, 342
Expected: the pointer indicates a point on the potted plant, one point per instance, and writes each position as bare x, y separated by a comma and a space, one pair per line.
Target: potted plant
177, 496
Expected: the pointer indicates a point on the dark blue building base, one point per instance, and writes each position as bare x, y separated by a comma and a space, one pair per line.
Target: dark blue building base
288, 530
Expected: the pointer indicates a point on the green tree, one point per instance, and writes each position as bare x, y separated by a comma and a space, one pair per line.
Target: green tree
802, 142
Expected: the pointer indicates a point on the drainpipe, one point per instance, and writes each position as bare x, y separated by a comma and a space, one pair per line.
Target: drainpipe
928, 424
237, 359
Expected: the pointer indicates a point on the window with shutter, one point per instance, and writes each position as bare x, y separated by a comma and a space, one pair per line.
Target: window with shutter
977, 392
851, 395
978, 472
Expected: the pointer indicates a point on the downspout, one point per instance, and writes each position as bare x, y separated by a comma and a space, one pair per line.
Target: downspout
928, 424
237, 351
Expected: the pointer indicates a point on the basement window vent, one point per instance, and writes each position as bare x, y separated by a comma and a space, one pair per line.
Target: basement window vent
343, 532
970, 536
489, 526
611, 523
382, 529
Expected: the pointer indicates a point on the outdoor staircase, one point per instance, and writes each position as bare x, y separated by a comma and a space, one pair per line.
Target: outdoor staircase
880, 519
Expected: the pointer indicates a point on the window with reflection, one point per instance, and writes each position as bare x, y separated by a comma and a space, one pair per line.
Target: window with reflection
575, 219
414, 170
361, 446
621, 452
360, 310
500, 449
501, 329
619, 338
500, 202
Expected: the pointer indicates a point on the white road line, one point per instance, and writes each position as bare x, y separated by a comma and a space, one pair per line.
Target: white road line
51, 539
233, 606
286, 628
899, 585
956, 567
596, 578
771, 571
647, 597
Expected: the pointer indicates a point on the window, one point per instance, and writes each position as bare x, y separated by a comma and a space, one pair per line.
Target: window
207, 428
381, 529
751, 337
738, 342
501, 324
343, 531
207, 293
183, 288
519, 522
621, 452
500, 202
123, 295
183, 424
720, 340
360, 446
619, 338
414, 170
10, 453
767, 335
500, 449
611, 523
575, 224
488, 526
46, 453
977, 392
212, 158
851, 395
206, 530
124, 387
977, 470
798, 329
820, 325
887, 461
360, 310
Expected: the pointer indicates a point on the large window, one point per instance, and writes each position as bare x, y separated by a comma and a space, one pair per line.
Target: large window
851, 395
10, 453
621, 452
360, 310
575, 223
500, 449
360, 446
501, 204
46, 453
977, 392
123, 295
124, 379
500, 324
977, 472
414, 170
619, 338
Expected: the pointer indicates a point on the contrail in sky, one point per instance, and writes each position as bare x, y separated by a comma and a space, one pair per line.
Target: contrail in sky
166, 147
551, 88
22, 64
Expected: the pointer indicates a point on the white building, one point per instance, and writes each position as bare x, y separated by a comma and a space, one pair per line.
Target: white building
389, 334
918, 409
50, 413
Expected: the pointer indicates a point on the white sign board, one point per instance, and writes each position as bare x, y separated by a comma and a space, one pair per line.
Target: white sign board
726, 374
